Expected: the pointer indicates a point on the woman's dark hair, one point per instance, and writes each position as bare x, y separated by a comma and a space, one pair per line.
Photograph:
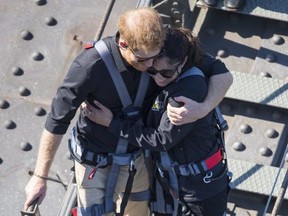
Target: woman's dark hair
180, 43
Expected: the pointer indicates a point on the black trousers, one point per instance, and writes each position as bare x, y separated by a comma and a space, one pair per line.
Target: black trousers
214, 206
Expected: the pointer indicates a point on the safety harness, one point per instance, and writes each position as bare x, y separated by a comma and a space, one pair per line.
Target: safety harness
120, 158
173, 169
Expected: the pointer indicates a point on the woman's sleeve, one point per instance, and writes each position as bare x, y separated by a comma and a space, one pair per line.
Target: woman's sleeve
212, 66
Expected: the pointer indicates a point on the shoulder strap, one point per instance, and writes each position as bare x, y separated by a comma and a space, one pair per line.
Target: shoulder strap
191, 72
142, 89
103, 51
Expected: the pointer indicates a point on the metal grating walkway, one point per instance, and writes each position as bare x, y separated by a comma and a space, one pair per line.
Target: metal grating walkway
256, 178
258, 89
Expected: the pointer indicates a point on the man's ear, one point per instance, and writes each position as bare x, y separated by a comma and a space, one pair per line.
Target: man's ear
123, 44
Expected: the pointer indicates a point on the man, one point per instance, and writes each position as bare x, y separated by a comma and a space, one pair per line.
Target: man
138, 42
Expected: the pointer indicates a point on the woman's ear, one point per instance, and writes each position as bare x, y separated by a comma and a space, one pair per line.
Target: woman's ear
123, 44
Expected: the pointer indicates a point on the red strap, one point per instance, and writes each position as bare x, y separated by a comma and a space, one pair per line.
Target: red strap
91, 175
74, 211
214, 159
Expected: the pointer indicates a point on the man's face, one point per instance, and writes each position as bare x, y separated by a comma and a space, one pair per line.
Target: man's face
140, 59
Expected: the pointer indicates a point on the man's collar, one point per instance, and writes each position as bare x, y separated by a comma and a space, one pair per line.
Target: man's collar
119, 61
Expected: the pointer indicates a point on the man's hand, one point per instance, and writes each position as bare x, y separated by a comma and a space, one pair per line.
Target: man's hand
189, 112
36, 188
100, 115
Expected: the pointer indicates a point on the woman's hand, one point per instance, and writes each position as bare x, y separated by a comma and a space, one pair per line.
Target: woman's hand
100, 115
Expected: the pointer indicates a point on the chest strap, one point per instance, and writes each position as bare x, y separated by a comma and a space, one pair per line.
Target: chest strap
122, 145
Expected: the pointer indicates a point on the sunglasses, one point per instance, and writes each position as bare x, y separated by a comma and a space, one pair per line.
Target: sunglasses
141, 59
168, 74
137, 57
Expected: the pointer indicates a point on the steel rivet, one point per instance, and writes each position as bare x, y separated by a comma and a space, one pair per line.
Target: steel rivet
39, 111
222, 53
271, 133
270, 58
17, 71
4, 104
25, 146
175, 4
245, 128
9, 124
23, 91
37, 56
278, 40
40, 2
50, 21
265, 74
26, 35
265, 151
238, 146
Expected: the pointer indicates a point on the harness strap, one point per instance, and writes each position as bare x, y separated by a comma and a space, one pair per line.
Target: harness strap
126, 101
207, 164
140, 196
173, 180
128, 189
103, 51
160, 205
142, 89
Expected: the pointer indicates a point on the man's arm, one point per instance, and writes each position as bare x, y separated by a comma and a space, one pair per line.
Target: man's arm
191, 110
36, 187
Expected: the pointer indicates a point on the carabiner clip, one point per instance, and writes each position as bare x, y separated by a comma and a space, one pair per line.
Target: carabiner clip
207, 177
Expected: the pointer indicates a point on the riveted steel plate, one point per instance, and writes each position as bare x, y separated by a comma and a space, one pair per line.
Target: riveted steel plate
256, 133
234, 38
258, 89
263, 8
19, 147
271, 60
256, 178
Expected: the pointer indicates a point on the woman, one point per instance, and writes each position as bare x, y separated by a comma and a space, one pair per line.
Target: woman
194, 152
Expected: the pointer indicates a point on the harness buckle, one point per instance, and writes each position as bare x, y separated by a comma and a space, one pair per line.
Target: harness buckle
132, 165
207, 177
